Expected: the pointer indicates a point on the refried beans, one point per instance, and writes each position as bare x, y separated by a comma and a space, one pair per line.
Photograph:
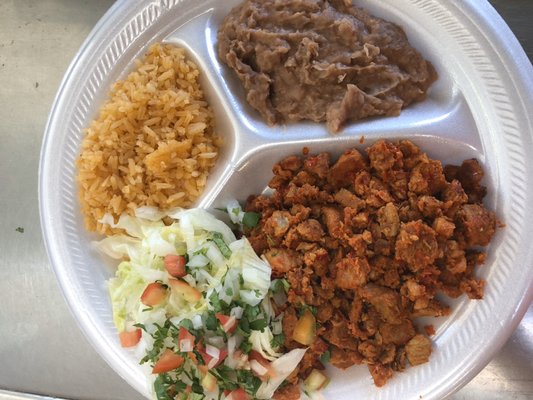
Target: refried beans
321, 60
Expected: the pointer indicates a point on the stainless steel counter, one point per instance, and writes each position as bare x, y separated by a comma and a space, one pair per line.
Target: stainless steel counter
41, 349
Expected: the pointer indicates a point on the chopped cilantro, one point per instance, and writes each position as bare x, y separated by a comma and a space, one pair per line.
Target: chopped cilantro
161, 389
276, 286
196, 387
20, 229
226, 377
244, 326
214, 299
251, 219
259, 324
187, 324
211, 322
161, 333
245, 346
277, 340
251, 312
140, 326
219, 306
325, 357
248, 381
304, 307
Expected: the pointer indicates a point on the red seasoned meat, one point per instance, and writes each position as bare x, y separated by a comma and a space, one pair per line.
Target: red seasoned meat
386, 301
282, 260
478, 224
418, 350
368, 245
351, 273
318, 165
380, 373
417, 245
343, 172
343, 359
427, 178
310, 230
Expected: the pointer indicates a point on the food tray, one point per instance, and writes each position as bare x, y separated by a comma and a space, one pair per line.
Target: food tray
480, 107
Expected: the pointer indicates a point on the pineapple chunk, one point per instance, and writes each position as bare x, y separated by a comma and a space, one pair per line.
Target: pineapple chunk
305, 329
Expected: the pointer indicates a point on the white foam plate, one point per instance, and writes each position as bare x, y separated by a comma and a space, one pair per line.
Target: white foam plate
480, 107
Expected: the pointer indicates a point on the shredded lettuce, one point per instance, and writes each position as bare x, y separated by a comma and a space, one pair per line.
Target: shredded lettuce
226, 271
255, 272
283, 366
262, 343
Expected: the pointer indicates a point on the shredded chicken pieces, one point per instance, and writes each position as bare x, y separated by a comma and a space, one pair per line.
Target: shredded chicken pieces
366, 243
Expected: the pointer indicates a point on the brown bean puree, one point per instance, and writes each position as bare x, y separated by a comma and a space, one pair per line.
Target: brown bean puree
321, 60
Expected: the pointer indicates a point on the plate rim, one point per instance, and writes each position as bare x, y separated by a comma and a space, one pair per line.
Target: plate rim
506, 45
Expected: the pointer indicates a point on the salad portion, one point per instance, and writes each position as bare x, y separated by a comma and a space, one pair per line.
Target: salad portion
199, 306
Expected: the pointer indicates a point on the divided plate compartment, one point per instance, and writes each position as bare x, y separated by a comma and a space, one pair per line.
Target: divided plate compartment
476, 109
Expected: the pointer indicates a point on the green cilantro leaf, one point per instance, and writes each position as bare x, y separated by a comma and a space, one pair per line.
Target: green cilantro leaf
161, 389
277, 340
325, 357
251, 219
259, 324
211, 322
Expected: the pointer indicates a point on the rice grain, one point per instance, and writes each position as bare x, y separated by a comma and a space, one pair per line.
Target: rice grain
152, 144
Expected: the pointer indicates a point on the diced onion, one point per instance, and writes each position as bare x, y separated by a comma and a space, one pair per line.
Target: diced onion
258, 368
235, 211
277, 327
212, 351
199, 260
232, 345
236, 312
280, 298
224, 296
212, 363
197, 321
216, 341
186, 345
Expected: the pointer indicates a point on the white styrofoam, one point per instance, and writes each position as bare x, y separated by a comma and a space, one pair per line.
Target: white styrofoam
480, 107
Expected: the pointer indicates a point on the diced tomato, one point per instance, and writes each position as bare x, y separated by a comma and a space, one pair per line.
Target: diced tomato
270, 372
238, 394
175, 265
154, 294
185, 340
130, 339
167, 362
209, 361
229, 324
188, 292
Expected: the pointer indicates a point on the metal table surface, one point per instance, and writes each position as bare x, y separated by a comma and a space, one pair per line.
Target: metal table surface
42, 351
